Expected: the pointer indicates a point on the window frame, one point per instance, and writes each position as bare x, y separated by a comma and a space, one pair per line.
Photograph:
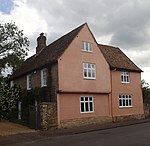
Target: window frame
43, 78
87, 46
29, 82
90, 103
126, 100
125, 77
89, 70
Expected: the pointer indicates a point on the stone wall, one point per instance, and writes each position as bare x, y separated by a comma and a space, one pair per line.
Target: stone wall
128, 117
98, 120
147, 110
48, 115
84, 121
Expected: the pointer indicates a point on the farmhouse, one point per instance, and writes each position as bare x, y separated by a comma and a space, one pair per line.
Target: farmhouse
86, 82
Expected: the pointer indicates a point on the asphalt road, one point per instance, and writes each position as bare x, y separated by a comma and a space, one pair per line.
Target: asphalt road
134, 135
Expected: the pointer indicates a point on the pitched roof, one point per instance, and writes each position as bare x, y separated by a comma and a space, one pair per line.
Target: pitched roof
48, 55
117, 59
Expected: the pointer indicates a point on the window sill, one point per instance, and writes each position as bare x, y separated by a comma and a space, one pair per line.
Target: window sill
89, 78
43, 85
87, 51
125, 82
125, 107
87, 112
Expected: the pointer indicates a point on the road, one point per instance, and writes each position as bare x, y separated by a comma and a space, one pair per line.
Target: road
134, 135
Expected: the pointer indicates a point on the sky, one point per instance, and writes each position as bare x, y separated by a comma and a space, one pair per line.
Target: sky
121, 23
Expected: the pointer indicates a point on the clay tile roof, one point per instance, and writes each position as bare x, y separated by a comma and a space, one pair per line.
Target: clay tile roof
48, 55
117, 59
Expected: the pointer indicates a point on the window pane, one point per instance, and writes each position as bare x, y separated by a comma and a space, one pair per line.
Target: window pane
127, 103
126, 73
120, 102
82, 107
90, 98
86, 107
130, 102
29, 82
89, 74
91, 106
127, 79
123, 102
86, 98
93, 73
85, 65
90, 46
44, 77
122, 78
82, 98
85, 73
86, 46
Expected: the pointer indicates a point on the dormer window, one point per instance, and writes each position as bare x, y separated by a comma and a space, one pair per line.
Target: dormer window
87, 47
125, 78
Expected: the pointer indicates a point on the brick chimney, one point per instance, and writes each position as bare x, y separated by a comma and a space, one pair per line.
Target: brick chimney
41, 43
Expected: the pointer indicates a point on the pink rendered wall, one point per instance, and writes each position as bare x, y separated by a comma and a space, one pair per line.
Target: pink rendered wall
70, 67
69, 106
133, 88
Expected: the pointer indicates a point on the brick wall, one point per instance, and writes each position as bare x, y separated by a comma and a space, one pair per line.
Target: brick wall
21, 82
36, 80
54, 82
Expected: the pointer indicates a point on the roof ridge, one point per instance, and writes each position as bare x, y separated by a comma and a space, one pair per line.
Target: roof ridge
114, 47
67, 34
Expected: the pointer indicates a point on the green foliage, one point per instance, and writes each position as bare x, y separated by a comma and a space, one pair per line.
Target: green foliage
9, 97
146, 92
13, 46
28, 98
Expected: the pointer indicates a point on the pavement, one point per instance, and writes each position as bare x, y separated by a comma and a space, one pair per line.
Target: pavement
40, 135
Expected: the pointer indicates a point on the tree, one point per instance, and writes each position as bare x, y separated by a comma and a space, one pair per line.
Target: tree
146, 92
13, 46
